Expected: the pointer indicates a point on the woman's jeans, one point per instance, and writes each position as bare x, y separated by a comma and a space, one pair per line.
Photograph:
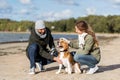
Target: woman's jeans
33, 54
88, 60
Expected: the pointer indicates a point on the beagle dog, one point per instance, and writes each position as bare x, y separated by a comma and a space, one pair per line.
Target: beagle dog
66, 58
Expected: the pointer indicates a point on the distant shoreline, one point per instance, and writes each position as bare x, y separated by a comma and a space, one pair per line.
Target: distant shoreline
66, 33
105, 34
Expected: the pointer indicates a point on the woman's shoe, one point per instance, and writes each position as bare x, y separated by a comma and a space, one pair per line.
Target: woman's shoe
92, 70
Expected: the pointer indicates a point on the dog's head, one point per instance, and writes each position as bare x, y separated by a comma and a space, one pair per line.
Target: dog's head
63, 45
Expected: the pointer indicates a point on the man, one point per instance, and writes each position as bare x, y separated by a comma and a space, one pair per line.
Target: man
37, 51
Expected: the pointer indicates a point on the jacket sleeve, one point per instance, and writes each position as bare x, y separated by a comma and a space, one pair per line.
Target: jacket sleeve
46, 55
74, 44
51, 40
89, 42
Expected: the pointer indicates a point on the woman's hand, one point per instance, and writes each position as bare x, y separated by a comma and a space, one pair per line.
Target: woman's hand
57, 60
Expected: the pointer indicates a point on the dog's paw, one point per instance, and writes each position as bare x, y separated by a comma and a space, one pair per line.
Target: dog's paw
57, 72
78, 72
69, 72
66, 70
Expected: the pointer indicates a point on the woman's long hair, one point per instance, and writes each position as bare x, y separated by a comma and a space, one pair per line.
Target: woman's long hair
83, 26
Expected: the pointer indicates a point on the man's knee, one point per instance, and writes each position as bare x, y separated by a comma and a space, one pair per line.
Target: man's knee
33, 46
32, 50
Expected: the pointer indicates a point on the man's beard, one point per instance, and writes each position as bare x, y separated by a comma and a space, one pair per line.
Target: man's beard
41, 35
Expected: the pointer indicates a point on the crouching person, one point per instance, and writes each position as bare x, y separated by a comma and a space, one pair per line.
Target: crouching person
37, 51
88, 50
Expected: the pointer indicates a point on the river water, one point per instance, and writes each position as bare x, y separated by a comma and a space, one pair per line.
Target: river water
20, 37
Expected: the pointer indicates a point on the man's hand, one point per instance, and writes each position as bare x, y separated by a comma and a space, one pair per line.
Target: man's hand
53, 52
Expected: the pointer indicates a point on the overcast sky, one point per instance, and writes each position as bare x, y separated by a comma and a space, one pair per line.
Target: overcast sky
51, 10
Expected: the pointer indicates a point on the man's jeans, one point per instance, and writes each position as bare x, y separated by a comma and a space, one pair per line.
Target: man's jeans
88, 60
33, 54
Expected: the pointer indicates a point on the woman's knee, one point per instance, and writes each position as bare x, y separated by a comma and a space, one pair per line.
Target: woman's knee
76, 58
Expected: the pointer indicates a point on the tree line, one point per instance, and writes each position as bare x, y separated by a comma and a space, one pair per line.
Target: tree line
101, 24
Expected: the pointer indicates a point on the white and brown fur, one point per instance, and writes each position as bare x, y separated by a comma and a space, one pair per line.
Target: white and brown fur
67, 59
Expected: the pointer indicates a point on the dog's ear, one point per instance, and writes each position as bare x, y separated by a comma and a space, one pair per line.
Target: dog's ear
64, 39
61, 39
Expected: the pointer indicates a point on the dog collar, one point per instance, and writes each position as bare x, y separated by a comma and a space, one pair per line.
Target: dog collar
64, 51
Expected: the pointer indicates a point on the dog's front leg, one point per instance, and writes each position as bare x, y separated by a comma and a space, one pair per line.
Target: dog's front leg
60, 67
77, 68
69, 68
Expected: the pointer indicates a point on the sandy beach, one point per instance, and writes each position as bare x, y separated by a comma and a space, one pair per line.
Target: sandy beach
14, 64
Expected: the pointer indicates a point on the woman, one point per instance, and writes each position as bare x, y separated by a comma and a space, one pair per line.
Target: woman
88, 51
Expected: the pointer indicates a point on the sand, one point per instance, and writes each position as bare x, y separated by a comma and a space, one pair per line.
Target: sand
14, 64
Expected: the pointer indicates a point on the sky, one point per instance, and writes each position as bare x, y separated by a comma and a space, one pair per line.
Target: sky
51, 10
